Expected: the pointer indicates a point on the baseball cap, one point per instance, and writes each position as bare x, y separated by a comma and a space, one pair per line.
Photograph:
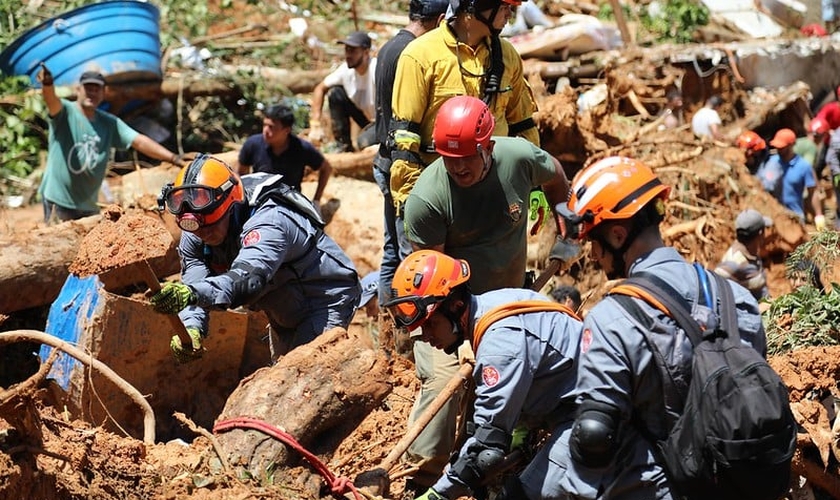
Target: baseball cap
92, 77
751, 222
370, 287
357, 39
784, 137
428, 9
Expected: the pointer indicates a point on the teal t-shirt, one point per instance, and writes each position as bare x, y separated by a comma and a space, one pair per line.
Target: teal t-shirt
485, 224
78, 152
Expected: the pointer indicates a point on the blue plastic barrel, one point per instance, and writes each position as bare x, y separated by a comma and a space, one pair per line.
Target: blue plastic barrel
120, 39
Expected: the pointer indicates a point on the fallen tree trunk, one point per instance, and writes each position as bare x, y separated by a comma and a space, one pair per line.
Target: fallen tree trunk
358, 164
33, 270
329, 384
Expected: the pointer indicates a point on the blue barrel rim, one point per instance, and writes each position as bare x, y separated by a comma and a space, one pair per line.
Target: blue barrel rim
8, 51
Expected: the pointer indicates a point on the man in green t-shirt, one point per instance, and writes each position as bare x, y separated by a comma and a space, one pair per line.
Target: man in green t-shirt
472, 203
80, 140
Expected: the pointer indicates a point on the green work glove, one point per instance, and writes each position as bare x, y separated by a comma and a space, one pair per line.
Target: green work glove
518, 437
431, 495
172, 298
190, 353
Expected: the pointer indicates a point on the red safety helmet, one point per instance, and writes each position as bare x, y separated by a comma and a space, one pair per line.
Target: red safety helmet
614, 188
202, 193
421, 283
819, 126
463, 124
750, 141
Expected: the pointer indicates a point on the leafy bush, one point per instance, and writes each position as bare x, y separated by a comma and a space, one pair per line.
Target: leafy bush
810, 315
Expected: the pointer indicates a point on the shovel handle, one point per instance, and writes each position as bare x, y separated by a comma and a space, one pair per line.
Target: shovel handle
152, 282
455, 383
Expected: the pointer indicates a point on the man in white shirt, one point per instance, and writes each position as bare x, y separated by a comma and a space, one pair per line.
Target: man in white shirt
706, 121
350, 93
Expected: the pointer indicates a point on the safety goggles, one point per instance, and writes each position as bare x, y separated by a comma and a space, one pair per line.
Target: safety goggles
194, 198
406, 311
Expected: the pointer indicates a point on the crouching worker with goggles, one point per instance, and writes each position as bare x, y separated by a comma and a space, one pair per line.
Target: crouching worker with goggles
526, 350
253, 241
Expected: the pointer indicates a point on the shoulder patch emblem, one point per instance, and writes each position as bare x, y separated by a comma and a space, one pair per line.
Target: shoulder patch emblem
585, 340
490, 376
251, 238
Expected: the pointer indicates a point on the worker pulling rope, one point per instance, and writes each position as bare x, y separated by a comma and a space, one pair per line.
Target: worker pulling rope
338, 485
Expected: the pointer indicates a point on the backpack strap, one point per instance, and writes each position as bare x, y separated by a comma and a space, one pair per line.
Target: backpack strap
512, 309
669, 298
727, 310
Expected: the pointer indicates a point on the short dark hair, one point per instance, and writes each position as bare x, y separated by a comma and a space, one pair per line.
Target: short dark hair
562, 292
714, 101
280, 113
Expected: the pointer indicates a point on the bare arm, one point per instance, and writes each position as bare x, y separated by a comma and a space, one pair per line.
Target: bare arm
242, 169
557, 190
152, 149
317, 102
324, 173
814, 199
51, 99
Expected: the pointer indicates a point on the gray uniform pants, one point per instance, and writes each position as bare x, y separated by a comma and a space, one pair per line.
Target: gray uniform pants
431, 450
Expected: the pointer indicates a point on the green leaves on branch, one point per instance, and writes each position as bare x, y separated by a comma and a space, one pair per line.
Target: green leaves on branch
808, 316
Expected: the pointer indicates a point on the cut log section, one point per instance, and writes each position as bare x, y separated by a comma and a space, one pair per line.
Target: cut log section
332, 382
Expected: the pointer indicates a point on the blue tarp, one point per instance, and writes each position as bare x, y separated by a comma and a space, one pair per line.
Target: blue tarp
69, 314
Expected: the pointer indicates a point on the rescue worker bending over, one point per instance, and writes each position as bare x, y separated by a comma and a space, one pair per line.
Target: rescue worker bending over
255, 242
525, 366
617, 204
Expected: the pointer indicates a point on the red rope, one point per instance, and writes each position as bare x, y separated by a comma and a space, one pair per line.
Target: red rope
338, 485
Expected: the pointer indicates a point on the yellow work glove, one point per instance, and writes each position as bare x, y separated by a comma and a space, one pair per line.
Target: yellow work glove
404, 175
430, 495
189, 353
173, 298
518, 437
819, 221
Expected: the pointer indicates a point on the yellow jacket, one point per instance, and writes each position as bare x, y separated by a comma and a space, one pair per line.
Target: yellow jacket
433, 68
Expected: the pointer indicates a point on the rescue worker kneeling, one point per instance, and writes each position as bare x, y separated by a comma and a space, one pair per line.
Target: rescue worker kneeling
253, 241
526, 350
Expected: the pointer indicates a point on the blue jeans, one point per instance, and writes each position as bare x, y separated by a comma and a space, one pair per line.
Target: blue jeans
56, 213
395, 246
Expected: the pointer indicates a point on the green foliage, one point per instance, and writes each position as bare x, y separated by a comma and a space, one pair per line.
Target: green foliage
664, 21
808, 316
673, 20
22, 135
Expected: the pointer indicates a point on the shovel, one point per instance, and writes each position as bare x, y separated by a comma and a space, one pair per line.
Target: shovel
120, 249
378, 480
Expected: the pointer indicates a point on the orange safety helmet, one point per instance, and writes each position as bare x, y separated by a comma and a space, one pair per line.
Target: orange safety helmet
819, 126
614, 188
203, 192
462, 126
421, 283
750, 141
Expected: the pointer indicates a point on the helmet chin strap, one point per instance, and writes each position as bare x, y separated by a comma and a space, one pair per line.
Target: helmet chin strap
454, 317
619, 265
489, 22
487, 159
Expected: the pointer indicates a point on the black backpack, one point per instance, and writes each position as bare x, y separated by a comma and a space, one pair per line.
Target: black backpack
735, 434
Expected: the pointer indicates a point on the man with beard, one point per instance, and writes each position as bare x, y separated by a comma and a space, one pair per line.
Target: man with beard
79, 146
350, 91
